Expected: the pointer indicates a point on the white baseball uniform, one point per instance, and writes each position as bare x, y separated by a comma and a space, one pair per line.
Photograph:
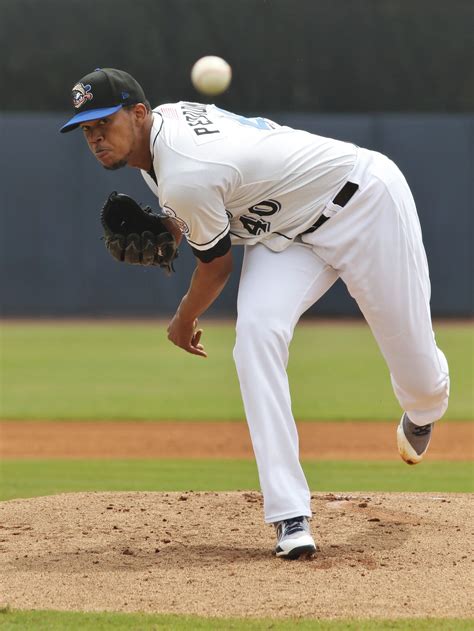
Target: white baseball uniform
309, 210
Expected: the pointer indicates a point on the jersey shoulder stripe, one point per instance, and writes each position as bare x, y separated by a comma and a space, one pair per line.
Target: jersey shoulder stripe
213, 241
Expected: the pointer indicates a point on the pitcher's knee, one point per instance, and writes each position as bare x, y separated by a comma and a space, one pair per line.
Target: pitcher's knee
425, 399
436, 396
259, 333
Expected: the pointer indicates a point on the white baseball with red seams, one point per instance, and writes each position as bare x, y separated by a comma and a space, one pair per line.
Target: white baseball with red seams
211, 75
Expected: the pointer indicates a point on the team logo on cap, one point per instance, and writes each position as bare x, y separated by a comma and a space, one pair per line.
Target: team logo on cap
81, 94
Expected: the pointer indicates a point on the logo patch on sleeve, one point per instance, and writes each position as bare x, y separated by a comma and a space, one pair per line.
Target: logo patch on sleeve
182, 225
81, 94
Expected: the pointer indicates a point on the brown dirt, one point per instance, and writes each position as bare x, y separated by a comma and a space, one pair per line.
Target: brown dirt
381, 555
319, 440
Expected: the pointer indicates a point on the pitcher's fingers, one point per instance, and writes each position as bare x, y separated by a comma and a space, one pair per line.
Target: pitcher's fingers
196, 337
196, 350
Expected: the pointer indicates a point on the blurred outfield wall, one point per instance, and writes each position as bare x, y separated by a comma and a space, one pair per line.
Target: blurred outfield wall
287, 55
53, 262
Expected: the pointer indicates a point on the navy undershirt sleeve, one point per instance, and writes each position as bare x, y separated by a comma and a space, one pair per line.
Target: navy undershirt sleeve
221, 248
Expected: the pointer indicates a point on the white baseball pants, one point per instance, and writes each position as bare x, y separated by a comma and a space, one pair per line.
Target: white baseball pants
374, 244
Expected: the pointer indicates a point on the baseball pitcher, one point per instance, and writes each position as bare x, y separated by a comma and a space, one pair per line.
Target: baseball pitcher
308, 210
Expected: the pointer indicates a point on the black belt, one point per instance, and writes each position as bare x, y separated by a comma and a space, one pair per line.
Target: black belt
341, 199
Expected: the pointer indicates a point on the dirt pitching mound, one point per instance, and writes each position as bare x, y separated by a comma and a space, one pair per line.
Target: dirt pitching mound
381, 555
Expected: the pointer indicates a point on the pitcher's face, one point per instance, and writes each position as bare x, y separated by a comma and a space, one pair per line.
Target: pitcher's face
112, 139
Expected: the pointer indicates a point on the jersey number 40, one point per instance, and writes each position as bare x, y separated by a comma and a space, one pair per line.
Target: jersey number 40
257, 225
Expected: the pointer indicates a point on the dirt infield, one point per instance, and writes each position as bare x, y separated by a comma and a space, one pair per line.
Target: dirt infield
381, 555
348, 440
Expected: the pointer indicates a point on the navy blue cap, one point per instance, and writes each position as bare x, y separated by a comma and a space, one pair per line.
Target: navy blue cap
102, 93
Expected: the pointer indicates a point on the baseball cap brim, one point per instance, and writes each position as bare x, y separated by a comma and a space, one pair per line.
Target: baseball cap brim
89, 115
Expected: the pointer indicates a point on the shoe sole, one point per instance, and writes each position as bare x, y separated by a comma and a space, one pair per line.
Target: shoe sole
296, 553
406, 451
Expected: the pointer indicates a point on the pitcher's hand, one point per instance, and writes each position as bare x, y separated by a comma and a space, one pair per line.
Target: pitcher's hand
186, 335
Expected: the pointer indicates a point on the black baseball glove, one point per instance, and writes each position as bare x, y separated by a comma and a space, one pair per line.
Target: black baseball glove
136, 235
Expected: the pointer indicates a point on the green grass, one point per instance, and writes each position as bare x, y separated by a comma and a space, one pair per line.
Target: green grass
30, 478
131, 371
72, 621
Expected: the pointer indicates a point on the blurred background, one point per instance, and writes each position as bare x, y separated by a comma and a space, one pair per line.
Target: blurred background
390, 75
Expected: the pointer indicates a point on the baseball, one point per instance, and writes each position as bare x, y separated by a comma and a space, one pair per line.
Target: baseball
211, 75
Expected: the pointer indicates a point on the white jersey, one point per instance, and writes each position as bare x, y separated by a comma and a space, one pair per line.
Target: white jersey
218, 173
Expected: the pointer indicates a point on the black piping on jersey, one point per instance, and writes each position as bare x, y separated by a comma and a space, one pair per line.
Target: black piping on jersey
151, 172
220, 249
283, 235
157, 133
211, 240
244, 236
241, 236
219, 244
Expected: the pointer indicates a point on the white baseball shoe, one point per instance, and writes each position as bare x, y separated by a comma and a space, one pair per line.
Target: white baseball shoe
413, 440
294, 538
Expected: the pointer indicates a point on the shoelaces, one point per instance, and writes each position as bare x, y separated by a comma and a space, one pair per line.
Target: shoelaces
422, 430
293, 525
